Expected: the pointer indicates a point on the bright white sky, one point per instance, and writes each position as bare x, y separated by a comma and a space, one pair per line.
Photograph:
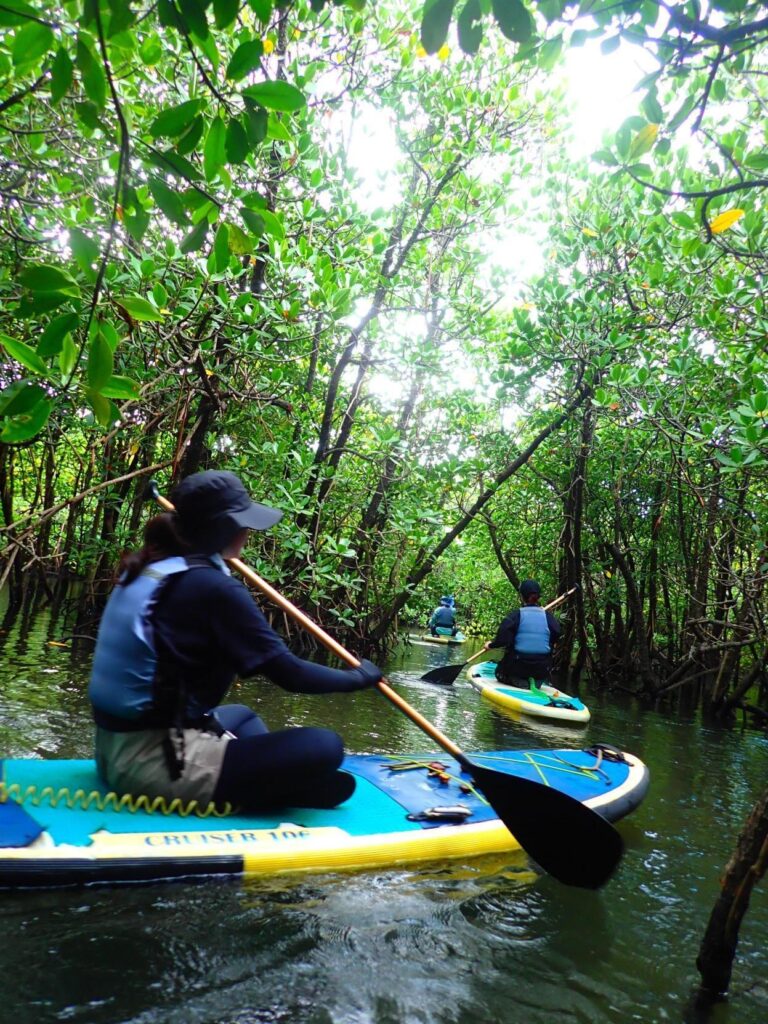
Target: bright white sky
600, 88
602, 91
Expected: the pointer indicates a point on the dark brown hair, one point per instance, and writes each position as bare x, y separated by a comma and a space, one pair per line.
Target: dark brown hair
161, 540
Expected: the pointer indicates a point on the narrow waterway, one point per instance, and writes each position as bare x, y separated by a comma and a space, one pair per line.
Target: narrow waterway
484, 940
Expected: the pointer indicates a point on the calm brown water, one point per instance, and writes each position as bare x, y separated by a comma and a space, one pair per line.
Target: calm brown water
453, 943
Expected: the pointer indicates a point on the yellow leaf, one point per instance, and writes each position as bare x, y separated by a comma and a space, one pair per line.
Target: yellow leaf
420, 51
643, 141
443, 52
725, 220
268, 46
607, 573
590, 232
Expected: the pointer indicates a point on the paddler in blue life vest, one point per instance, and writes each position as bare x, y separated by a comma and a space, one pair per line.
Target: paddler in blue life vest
444, 616
528, 635
176, 632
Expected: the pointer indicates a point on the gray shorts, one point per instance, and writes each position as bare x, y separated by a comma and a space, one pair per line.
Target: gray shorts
135, 763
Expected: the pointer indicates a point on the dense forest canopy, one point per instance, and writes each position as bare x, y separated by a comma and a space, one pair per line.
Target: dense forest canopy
271, 238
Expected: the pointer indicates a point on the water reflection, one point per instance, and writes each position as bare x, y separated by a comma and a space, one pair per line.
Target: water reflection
485, 940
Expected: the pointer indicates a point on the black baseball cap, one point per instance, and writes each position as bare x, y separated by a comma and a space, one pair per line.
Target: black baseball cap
529, 587
213, 506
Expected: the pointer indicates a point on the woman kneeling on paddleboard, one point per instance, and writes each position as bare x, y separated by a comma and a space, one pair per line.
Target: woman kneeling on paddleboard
176, 632
528, 636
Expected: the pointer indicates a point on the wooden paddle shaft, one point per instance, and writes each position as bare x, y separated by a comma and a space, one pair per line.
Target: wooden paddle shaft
559, 600
333, 645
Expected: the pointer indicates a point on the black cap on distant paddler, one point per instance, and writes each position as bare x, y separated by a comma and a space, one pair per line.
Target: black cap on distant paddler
529, 588
213, 506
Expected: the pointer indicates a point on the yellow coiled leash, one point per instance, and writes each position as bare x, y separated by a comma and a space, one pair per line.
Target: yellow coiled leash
82, 800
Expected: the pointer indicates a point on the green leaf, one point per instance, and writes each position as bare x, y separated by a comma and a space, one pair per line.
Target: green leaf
246, 58
100, 362
514, 19
683, 112
175, 121
15, 12
43, 277
122, 17
551, 9
610, 44
52, 337
31, 43
274, 95
652, 108
262, 9
253, 221
120, 387
20, 397
214, 151
239, 243
435, 23
103, 409
92, 73
236, 143
684, 220
189, 140
61, 76
193, 12
550, 52
470, 26
67, 356
138, 308
170, 202
225, 12
151, 50
84, 249
169, 17
196, 237
272, 225
27, 425
255, 120
168, 160
221, 248
277, 130
88, 113
136, 221
24, 354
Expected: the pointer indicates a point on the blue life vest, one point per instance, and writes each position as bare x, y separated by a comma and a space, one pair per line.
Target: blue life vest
533, 632
443, 616
125, 660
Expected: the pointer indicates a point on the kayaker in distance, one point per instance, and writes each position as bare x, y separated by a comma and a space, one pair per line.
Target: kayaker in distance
443, 616
175, 633
528, 635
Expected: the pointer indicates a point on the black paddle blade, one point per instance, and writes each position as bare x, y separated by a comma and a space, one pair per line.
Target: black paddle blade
570, 841
445, 675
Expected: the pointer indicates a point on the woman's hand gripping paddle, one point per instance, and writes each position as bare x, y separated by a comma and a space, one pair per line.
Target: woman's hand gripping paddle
447, 674
567, 839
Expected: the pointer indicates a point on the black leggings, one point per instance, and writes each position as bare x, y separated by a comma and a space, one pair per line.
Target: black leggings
265, 770
511, 669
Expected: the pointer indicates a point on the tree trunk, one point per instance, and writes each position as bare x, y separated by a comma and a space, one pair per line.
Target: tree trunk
745, 868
